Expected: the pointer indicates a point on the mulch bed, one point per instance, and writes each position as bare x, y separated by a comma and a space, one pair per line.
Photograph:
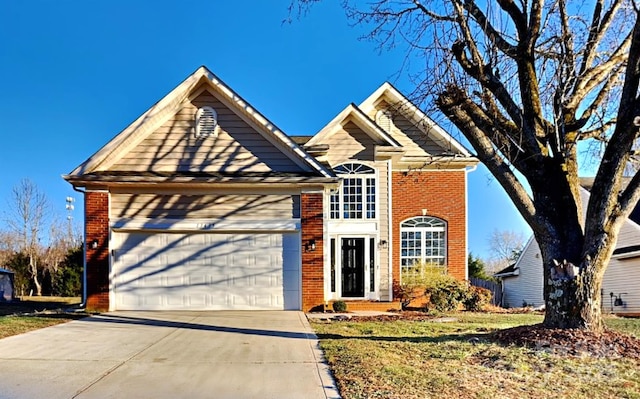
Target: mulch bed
571, 342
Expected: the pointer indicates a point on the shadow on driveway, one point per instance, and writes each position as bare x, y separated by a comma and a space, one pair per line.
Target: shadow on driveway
119, 319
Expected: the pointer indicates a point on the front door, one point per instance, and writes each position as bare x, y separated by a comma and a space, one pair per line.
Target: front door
353, 267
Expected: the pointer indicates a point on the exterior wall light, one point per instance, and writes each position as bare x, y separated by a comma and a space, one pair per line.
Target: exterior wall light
383, 244
94, 244
310, 246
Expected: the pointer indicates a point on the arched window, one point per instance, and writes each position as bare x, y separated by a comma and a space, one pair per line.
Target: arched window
356, 198
206, 122
423, 240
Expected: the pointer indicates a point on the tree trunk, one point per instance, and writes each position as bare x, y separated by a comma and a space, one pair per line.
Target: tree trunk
38, 285
33, 268
572, 293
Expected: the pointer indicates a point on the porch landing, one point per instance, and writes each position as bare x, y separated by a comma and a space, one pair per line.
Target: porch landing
358, 306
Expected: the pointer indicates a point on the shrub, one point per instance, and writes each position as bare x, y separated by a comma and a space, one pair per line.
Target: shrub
440, 291
477, 298
415, 282
446, 293
339, 306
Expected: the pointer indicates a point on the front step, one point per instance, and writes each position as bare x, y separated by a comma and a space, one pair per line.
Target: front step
356, 306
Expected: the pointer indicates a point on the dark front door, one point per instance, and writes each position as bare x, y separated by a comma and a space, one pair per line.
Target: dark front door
353, 267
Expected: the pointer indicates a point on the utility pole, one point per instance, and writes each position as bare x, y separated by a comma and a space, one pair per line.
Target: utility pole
70, 207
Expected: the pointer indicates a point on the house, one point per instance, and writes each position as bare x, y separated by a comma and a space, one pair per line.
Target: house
523, 281
203, 203
6, 285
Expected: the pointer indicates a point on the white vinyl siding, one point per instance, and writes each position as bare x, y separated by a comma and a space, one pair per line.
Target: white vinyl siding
413, 140
527, 286
174, 147
622, 276
205, 206
349, 143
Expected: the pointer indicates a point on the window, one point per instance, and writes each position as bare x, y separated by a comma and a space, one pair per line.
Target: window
356, 199
206, 122
384, 119
422, 239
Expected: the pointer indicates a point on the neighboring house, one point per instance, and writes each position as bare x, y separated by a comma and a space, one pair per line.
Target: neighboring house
203, 203
523, 281
6, 285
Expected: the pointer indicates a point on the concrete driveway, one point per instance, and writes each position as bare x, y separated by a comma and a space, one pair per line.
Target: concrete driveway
168, 355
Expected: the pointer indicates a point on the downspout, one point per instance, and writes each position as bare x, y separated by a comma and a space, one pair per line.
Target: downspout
84, 251
466, 220
390, 228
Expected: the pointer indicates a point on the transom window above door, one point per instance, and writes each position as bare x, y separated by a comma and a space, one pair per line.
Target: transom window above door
422, 241
356, 197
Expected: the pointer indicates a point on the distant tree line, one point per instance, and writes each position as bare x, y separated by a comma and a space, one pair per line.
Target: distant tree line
43, 251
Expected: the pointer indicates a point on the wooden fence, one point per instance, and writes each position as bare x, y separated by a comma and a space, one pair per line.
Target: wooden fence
494, 287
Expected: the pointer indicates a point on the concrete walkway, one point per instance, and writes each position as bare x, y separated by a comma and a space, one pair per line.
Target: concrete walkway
168, 355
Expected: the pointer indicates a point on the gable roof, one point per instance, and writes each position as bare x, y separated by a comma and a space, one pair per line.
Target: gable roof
97, 165
508, 271
416, 116
355, 114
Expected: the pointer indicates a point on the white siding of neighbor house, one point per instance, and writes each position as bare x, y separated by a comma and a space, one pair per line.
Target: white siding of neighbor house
234, 206
527, 286
623, 275
173, 147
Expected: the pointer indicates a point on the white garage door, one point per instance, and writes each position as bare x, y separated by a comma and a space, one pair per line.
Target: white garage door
206, 271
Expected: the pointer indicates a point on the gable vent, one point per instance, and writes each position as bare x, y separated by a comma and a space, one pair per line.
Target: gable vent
206, 122
384, 120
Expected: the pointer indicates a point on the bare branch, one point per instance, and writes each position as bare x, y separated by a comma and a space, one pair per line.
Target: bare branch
453, 104
597, 133
494, 36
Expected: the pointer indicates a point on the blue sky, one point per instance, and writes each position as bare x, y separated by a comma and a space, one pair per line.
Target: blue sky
75, 73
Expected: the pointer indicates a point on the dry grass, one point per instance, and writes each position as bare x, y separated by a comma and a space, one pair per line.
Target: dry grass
424, 359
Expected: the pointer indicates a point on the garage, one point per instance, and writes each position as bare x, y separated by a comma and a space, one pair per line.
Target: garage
197, 205
251, 270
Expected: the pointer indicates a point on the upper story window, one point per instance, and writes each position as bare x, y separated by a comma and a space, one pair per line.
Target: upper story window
356, 198
422, 241
384, 119
206, 122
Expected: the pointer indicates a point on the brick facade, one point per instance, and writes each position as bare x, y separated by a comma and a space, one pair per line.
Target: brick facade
96, 208
312, 260
442, 194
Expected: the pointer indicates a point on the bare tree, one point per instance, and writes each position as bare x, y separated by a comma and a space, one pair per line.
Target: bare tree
505, 247
28, 209
8, 247
525, 81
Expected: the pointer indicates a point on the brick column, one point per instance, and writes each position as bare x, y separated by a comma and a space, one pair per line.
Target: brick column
312, 260
96, 219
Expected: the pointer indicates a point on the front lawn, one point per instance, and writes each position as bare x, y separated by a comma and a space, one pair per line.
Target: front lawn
32, 313
431, 359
